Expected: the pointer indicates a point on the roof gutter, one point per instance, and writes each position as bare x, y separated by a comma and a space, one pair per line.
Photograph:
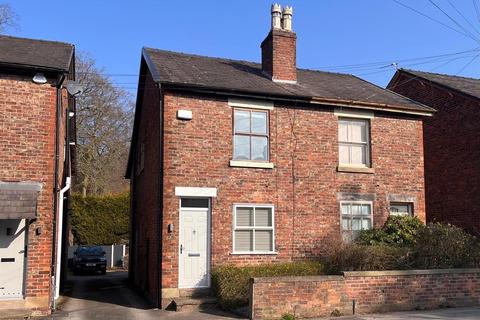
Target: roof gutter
300, 99
32, 67
368, 106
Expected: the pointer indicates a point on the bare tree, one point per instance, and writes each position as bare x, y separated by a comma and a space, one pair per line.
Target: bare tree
8, 18
104, 124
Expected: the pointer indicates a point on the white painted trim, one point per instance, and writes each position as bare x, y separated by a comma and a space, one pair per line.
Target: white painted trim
195, 192
284, 81
251, 164
209, 242
250, 103
340, 112
234, 228
239, 253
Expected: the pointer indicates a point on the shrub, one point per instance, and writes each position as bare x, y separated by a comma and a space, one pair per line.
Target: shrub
287, 316
231, 284
357, 257
445, 246
100, 219
397, 231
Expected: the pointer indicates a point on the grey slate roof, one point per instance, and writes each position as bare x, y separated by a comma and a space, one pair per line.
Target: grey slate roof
469, 86
18, 200
31, 53
247, 77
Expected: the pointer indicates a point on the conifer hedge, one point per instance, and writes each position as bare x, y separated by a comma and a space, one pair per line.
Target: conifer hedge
100, 220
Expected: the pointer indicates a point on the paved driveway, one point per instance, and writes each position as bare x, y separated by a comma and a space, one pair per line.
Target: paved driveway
107, 297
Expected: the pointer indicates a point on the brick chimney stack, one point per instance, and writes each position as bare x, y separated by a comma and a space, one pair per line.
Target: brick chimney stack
279, 48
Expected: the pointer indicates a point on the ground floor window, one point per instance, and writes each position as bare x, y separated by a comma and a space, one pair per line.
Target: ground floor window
253, 229
401, 208
356, 216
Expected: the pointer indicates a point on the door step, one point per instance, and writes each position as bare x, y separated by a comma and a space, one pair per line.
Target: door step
195, 293
185, 304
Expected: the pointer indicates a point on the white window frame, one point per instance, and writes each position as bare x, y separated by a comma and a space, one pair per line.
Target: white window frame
408, 204
366, 144
251, 134
235, 227
343, 202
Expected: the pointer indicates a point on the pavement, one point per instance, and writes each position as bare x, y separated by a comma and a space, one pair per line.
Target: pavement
439, 314
107, 297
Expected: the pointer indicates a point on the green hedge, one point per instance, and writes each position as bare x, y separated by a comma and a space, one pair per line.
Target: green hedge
100, 220
231, 284
403, 244
440, 246
397, 231
358, 257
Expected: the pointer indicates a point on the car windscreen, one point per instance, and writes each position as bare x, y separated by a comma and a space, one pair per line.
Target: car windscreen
90, 251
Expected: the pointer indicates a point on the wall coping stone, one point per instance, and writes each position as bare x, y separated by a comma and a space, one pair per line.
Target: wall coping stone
351, 274
296, 279
408, 272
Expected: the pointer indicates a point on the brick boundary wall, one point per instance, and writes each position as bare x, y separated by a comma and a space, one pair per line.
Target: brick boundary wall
372, 291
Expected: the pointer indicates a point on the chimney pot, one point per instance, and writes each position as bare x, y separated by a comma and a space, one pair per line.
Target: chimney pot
276, 16
279, 47
287, 18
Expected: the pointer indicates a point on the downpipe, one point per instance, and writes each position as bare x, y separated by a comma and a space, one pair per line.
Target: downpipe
59, 236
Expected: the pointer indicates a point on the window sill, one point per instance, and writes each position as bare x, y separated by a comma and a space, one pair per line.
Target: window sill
273, 253
353, 169
251, 164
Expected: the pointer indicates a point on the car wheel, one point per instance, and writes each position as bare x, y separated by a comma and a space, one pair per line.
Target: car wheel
104, 271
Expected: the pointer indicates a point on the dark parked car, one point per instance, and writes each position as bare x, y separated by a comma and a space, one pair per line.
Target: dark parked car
89, 258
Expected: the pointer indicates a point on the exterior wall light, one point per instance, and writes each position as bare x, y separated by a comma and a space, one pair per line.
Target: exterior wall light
39, 78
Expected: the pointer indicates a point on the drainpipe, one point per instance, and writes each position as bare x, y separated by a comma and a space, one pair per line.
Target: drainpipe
60, 231
58, 85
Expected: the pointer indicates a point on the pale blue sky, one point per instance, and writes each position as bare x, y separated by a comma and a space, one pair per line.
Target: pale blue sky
330, 32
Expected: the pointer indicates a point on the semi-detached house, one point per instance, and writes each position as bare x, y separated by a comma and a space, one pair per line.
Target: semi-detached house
236, 162
37, 133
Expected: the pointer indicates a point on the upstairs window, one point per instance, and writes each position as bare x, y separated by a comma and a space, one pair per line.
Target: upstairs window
353, 140
250, 141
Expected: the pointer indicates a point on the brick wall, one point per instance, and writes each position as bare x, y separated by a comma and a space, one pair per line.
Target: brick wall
375, 291
304, 186
451, 143
27, 146
146, 192
279, 55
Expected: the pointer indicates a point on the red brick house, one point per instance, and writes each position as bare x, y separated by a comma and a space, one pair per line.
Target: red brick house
452, 144
36, 128
235, 162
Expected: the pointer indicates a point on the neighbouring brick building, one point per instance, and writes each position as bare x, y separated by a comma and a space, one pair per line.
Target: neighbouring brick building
235, 162
36, 133
451, 142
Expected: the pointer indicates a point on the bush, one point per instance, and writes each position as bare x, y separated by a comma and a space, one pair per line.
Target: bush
100, 219
231, 284
397, 231
357, 257
445, 246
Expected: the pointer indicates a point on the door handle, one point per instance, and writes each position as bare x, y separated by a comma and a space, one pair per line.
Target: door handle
181, 249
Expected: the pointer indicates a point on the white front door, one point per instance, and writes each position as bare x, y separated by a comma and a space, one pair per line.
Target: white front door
12, 256
194, 259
